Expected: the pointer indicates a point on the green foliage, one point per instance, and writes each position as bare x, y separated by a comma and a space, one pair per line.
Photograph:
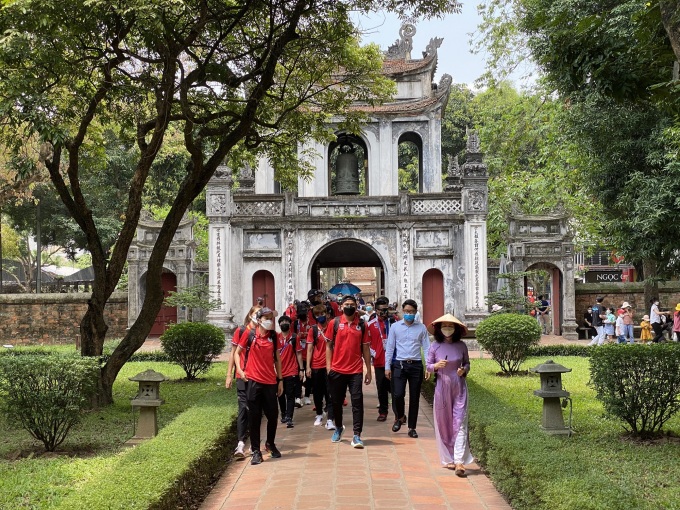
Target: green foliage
511, 297
186, 456
194, 297
594, 469
550, 351
638, 384
508, 337
193, 346
46, 394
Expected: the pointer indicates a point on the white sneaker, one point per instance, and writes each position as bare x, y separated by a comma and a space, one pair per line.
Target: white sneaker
239, 453
298, 402
318, 420
330, 425
307, 401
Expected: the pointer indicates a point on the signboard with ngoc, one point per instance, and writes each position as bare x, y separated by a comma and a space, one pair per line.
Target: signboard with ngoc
603, 276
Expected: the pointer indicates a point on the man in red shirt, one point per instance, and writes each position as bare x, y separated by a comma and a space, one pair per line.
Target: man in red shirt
290, 351
348, 344
377, 331
261, 370
316, 366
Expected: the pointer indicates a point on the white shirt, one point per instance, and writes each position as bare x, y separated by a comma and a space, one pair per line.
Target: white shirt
654, 314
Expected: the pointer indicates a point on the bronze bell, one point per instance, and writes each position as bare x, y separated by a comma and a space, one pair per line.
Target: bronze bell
347, 171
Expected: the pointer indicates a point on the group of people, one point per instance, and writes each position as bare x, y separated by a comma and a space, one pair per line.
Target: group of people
332, 351
612, 324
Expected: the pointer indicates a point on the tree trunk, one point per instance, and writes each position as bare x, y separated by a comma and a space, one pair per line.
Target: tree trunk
651, 284
670, 17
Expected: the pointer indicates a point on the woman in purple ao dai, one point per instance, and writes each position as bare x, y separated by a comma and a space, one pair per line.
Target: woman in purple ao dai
448, 359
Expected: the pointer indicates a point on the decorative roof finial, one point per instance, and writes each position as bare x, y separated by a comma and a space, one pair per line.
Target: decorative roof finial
401, 49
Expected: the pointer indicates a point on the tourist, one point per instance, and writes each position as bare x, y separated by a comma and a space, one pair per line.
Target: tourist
543, 317
301, 327
316, 366
292, 369
628, 323
448, 359
598, 321
619, 327
588, 323
410, 341
655, 320
645, 329
609, 322
261, 369
249, 323
378, 330
348, 344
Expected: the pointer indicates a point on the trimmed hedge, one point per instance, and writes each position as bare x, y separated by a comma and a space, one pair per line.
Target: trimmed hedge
164, 473
193, 346
548, 351
507, 337
638, 384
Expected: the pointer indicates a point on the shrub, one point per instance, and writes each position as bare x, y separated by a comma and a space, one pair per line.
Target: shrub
193, 346
549, 351
507, 337
45, 394
638, 384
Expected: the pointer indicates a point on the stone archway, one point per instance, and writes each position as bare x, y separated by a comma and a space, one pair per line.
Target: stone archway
550, 286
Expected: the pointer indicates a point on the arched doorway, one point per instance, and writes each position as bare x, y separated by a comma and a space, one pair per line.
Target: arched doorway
547, 281
433, 295
263, 287
167, 315
329, 267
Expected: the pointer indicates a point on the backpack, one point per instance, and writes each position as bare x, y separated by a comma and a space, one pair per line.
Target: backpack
336, 325
251, 337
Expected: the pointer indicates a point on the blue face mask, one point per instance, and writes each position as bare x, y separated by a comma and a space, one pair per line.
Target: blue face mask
409, 317
369, 308
321, 320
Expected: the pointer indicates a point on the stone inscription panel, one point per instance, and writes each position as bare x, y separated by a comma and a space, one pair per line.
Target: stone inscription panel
268, 241
433, 239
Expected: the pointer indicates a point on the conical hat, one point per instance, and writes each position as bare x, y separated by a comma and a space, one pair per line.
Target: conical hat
448, 318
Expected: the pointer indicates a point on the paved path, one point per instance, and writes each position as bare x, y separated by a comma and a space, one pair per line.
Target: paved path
394, 471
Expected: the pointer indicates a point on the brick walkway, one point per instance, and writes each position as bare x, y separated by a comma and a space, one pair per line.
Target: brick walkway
394, 471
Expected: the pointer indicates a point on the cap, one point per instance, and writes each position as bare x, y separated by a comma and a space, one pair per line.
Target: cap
266, 311
349, 297
313, 292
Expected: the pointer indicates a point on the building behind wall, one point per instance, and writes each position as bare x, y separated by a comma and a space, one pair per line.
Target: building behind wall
429, 245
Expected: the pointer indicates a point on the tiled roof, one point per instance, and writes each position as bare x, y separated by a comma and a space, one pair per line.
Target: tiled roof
400, 66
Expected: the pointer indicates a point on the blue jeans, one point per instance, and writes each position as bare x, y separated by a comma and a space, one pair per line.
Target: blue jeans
628, 333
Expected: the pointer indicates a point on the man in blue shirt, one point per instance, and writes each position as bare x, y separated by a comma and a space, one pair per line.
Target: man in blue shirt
407, 342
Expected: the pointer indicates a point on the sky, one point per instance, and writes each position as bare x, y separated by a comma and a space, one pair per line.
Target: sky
454, 54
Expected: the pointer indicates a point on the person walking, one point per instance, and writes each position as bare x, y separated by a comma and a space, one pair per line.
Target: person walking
249, 323
598, 321
448, 359
290, 351
410, 341
378, 332
316, 366
628, 323
348, 344
261, 369
676, 324
655, 319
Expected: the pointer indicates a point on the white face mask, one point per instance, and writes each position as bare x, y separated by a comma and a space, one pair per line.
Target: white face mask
267, 324
448, 331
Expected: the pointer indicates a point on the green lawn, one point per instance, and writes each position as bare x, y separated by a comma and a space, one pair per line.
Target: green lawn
599, 467
29, 479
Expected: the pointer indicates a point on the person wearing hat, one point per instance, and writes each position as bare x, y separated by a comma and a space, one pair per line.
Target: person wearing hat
261, 370
409, 340
448, 358
348, 343
292, 369
628, 323
645, 329
676, 323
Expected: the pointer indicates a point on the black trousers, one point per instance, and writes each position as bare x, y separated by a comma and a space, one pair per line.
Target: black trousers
658, 332
320, 392
338, 384
403, 373
307, 384
287, 398
242, 416
382, 384
261, 400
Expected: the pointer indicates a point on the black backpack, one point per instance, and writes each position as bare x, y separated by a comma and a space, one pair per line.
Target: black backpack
336, 325
251, 337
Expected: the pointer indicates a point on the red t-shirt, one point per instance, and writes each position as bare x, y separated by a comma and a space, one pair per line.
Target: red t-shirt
336, 309
235, 341
347, 353
319, 352
289, 363
260, 367
302, 328
378, 337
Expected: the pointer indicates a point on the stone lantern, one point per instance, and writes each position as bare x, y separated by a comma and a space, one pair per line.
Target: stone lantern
148, 400
551, 392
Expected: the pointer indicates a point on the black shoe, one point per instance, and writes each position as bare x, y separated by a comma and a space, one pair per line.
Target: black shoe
403, 420
284, 420
290, 424
412, 433
396, 426
257, 458
273, 450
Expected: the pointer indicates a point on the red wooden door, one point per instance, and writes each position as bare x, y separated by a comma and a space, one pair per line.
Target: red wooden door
167, 314
433, 295
263, 286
